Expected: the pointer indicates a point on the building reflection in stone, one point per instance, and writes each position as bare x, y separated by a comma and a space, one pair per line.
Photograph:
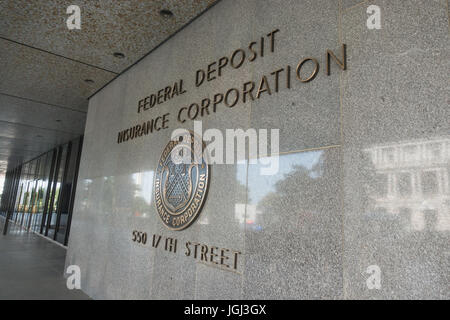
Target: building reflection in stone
411, 182
397, 217
143, 193
131, 193
84, 189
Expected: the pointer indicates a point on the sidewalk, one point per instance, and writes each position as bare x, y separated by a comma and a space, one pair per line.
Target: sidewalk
32, 267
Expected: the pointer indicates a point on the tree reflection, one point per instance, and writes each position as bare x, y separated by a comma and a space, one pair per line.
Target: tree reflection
301, 240
120, 195
301, 196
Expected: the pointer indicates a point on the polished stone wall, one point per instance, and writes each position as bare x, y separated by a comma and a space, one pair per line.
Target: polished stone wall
364, 161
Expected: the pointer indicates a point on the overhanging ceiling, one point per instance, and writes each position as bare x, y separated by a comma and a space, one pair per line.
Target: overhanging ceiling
44, 65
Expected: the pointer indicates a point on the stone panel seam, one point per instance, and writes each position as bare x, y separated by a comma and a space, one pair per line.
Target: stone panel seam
448, 16
341, 158
308, 150
354, 6
57, 55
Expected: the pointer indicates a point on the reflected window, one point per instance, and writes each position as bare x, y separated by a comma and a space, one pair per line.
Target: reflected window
388, 155
381, 210
381, 184
405, 217
434, 151
404, 184
410, 153
430, 219
429, 183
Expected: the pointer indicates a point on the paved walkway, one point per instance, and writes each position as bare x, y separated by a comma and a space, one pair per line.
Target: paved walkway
32, 267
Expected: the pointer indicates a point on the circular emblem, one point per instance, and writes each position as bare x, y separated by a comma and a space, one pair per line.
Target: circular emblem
181, 181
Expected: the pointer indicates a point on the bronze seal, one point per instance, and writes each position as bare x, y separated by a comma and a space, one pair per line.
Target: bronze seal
181, 182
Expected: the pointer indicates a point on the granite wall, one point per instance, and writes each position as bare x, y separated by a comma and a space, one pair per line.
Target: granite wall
364, 160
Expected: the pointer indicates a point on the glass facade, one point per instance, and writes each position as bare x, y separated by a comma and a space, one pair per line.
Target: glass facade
38, 195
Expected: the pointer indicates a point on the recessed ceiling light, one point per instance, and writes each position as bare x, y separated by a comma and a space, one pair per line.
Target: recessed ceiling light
88, 80
119, 55
166, 13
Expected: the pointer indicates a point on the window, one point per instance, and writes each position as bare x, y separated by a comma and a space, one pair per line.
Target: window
404, 185
381, 185
429, 183
43, 191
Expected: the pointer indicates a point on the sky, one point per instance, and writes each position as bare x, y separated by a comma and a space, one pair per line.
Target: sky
260, 186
